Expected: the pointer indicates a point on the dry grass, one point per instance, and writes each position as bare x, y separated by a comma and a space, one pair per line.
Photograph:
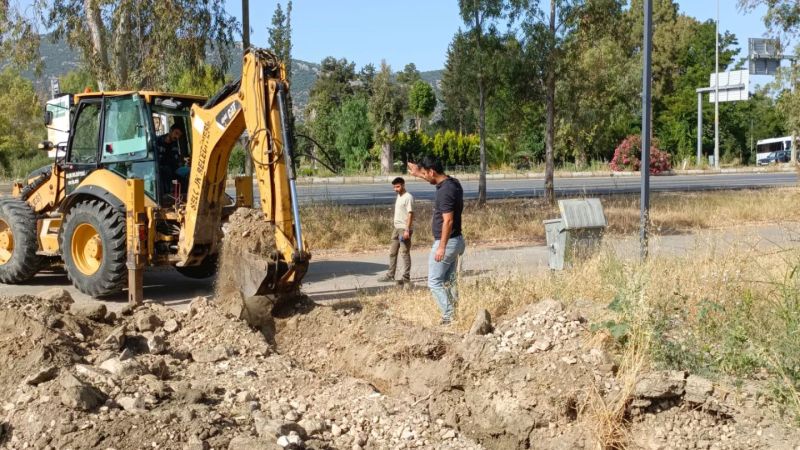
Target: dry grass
353, 228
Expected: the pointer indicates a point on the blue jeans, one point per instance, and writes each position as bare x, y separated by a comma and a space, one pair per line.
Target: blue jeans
442, 275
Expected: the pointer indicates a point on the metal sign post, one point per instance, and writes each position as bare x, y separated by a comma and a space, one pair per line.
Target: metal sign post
644, 217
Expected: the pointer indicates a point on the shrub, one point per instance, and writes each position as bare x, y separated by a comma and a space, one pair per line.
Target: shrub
627, 156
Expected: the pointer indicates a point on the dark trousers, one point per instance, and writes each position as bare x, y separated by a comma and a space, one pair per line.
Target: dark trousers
404, 249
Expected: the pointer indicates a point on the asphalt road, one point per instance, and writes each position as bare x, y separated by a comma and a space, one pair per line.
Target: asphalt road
364, 194
372, 193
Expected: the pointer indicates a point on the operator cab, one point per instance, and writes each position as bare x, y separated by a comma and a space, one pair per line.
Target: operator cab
124, 132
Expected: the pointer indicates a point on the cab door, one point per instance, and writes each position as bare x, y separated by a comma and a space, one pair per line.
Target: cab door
84, 143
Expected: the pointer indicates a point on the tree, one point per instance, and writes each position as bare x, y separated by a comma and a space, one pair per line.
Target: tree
421, 101
280, 36
21, 131
458, 85
19, 39
333, 86
133, 45
409, 75
365, 78
354, 134
598, 96
386, 114
782, 16
545, 34
76, 81
479, 15
206, 81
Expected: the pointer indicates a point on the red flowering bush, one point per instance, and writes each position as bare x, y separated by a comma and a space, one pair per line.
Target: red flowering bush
627, 156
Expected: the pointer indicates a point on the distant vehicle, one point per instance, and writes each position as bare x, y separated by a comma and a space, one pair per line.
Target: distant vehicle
767, 147
782, 156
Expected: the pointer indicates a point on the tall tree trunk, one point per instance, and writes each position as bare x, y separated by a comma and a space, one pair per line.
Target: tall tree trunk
95, 23
550, 100
121, 39
481, 111
386, 158
418, 121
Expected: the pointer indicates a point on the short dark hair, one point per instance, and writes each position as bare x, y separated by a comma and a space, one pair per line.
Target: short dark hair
431, 163
398, 180
178, 126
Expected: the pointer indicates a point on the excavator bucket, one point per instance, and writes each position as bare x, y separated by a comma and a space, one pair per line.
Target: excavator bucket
257, 275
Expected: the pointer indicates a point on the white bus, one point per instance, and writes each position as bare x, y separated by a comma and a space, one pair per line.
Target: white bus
773, 150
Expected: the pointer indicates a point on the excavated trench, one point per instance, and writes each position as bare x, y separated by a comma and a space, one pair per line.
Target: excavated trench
499, 396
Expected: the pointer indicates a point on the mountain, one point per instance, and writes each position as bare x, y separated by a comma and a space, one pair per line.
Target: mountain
59, 59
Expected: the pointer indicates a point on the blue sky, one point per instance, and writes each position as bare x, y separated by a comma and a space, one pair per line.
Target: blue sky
417, 31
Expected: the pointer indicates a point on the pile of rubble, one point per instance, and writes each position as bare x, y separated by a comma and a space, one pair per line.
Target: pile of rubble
339, 377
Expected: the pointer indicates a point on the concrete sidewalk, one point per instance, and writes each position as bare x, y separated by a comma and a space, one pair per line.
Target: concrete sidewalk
342, 276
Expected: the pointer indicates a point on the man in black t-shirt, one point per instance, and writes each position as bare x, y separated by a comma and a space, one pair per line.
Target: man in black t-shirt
448, 243
170, 158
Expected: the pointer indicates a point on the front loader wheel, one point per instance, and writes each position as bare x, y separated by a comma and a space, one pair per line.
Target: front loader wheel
18, 243
93, 246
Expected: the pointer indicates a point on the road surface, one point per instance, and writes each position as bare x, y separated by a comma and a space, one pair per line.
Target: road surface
372, 193
364, 194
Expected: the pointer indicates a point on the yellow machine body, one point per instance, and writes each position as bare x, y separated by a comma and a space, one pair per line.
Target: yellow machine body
176, 224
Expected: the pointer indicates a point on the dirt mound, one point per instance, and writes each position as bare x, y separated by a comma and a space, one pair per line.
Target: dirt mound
348, 376
535, 382
248, 252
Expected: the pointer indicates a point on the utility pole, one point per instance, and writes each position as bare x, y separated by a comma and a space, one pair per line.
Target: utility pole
248, 158
646, 124
716, 91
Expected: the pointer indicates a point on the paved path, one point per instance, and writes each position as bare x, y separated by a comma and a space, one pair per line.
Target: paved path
346, 275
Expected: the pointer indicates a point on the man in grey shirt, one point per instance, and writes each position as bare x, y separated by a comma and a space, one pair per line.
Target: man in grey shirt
401, 233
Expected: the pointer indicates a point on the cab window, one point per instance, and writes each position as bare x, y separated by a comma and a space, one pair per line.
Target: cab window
126, 132
86, 136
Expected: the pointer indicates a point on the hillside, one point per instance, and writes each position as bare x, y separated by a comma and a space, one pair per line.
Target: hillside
59, 59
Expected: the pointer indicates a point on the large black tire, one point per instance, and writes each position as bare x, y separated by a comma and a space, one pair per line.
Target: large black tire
205, 270
18, 244
93, 245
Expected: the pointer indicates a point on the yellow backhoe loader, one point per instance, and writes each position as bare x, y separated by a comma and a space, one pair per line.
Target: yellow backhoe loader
141, 181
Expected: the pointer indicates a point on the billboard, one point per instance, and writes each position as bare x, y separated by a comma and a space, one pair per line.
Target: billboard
733, 86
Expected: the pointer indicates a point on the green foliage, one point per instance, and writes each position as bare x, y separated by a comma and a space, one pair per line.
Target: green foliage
137, 45
206, 81
76, 81
354, 134
280, 36
19, 39
332, 88
421, 101
385, 106
458, 85
454, 149
236, 161
21, 126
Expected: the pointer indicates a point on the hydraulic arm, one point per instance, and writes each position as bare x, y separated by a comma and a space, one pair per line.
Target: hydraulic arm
258, 104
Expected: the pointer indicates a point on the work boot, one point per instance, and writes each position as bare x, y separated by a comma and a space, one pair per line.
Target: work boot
385, 278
